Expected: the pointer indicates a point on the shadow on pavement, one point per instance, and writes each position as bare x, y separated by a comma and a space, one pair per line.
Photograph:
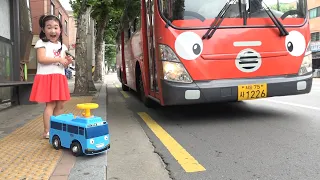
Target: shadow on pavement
213, 112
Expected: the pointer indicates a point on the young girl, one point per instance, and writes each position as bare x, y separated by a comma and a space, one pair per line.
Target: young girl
50, 83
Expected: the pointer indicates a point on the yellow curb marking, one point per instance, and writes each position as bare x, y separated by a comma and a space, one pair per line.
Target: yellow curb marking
125, 95
188, 163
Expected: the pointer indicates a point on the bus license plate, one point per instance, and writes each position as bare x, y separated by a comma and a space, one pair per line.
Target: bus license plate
252, 91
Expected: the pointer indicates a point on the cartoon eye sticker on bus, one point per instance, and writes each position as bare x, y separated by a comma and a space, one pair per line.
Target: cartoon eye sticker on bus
189, 45
295, 43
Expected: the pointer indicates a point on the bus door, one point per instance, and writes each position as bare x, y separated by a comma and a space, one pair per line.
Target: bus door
123, 61
151, 47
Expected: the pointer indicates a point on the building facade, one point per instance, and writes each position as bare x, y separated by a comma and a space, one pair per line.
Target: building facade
314, 15
72, 33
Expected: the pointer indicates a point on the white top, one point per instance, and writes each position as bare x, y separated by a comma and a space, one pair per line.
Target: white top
52, 52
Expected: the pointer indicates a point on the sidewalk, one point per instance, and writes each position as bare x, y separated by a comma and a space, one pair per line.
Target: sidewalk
132, 155
92, 167
24, 153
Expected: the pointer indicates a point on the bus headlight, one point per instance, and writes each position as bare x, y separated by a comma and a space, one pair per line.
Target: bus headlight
173, 69
306, 65
91, 141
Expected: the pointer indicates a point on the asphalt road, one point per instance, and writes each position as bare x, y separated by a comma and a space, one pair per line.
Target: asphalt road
275, 138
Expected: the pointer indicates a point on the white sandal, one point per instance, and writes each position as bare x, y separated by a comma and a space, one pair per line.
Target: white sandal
47, 136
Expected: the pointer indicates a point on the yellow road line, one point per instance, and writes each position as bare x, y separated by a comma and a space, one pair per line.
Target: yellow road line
125, 95
117, 85
188, 163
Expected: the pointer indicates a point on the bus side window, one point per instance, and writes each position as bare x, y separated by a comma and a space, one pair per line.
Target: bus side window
81, 131
72, 129
64, 127
56, 125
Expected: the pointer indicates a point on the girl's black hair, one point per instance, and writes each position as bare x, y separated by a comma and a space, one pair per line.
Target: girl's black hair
42, 22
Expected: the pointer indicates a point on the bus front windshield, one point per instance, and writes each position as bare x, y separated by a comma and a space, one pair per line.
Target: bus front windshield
96, 131
202, 12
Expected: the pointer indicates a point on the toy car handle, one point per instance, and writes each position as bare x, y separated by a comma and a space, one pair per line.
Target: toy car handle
87, 107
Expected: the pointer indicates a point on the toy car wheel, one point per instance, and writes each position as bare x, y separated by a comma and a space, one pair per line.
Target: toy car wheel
76, 148
56, 143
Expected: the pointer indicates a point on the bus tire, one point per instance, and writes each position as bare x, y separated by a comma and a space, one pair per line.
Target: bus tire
146, 101
124, 87
76, 148
56, 143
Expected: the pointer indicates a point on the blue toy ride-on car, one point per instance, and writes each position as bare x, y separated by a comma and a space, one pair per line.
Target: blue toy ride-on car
86, 134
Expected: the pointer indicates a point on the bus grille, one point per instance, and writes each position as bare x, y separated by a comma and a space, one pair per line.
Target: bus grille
248, 60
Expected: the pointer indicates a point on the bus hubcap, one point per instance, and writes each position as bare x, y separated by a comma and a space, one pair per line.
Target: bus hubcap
56, 143
75, 149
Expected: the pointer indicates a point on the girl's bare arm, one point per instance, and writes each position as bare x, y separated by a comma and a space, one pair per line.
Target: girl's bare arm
41, 56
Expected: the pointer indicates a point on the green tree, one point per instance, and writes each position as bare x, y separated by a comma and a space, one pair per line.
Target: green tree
121, 12
81, 10
109, 15
111, 33
283, 7
101, 13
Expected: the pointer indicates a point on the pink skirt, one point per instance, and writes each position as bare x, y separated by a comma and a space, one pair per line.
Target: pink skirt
51, 87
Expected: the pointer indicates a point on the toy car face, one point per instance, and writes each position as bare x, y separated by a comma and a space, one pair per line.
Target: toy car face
97, 139
98, 142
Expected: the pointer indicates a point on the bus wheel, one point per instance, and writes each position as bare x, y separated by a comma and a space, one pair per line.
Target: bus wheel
146, 101
76, 148
124, 87
56, 143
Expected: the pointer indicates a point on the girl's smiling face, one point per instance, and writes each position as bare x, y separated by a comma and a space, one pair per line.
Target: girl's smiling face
52, 30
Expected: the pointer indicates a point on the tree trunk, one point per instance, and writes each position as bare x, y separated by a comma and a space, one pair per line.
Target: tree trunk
101, 26
81, 85
90, 55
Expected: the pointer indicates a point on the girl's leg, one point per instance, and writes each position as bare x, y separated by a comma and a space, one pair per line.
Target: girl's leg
48, 111
59, 108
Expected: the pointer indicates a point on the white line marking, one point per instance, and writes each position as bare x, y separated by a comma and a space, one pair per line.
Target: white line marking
247, 43
293, 104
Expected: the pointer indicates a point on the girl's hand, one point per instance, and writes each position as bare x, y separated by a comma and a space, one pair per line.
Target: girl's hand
69, 59
63, 61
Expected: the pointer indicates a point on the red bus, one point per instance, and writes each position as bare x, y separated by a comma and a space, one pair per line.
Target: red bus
179, 52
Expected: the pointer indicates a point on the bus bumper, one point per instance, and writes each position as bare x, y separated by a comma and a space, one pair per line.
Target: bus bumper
93, 151
226, 90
